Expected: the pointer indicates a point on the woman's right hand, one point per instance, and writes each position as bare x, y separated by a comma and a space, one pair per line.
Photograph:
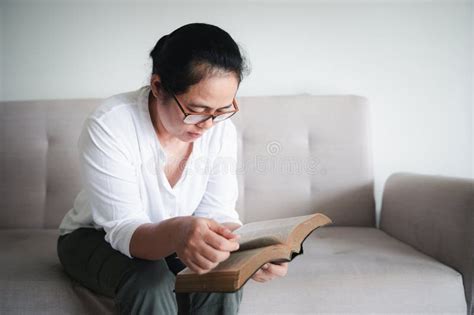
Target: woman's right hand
203, 243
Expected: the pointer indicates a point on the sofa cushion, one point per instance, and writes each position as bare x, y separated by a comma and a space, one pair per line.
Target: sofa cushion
342, 270
358, 270
32, 280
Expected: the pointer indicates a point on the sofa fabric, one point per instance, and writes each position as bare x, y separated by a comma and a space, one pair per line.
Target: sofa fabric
343, 270
357, 270
434, 214
39, 165
315, 153
32, 280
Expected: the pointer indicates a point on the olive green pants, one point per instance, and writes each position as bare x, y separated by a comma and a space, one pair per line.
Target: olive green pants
137, 286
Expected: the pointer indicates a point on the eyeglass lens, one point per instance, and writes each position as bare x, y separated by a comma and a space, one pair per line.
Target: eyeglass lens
196, 119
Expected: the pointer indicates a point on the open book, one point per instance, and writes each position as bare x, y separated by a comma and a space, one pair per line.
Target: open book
260, 242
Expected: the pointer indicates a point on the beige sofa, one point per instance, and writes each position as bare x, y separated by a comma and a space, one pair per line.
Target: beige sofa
297, 155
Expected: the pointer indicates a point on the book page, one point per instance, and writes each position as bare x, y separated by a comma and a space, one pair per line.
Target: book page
270, 232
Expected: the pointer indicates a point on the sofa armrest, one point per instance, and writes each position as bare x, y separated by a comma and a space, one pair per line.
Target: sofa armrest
434, 214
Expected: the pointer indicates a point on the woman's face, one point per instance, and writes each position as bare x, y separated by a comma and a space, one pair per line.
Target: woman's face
211, 95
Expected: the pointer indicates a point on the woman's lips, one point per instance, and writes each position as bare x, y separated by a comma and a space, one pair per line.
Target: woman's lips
195, 134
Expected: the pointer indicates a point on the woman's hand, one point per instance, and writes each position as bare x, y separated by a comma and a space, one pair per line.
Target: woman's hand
270, 271
203, 243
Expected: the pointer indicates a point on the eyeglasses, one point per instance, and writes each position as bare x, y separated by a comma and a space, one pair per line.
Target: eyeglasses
193, 119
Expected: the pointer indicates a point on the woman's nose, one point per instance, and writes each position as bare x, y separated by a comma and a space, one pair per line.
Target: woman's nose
206, 124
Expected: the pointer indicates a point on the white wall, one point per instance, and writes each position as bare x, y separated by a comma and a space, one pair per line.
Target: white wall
412, 59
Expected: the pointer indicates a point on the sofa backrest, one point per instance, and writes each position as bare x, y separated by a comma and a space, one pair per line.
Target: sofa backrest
297, 155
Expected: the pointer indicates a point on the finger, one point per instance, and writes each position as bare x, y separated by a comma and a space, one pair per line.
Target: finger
264, 274
277, 270
234, 238
259, 279
268, 275
259, 276
203, 262
212, 254
222, 230
191, 265
259, 273
219, 242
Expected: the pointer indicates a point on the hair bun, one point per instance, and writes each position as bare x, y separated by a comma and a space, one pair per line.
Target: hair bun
162, 42
178, 55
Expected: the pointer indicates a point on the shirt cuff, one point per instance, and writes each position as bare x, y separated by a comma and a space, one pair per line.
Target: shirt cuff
120, 236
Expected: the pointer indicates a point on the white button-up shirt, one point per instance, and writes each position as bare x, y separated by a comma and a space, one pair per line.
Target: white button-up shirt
124, 184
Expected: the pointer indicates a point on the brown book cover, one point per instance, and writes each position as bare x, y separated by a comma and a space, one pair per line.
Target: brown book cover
260, 242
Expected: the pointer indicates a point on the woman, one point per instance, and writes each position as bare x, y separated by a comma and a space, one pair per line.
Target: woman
155, 198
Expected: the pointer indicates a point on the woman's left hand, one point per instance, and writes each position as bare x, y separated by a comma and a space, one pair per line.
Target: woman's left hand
270, 271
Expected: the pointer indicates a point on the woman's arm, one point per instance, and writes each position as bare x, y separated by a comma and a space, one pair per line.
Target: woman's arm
200, 243
153, 241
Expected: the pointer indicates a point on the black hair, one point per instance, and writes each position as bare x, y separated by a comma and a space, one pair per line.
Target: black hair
192, 53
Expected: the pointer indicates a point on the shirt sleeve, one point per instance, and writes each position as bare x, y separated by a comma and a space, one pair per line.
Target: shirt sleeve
220, 197
110, 181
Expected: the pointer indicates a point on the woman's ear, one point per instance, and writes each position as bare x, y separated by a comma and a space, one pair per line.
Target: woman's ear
155, 85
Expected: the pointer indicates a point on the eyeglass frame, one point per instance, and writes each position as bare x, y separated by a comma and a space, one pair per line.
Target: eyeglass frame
234, 102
